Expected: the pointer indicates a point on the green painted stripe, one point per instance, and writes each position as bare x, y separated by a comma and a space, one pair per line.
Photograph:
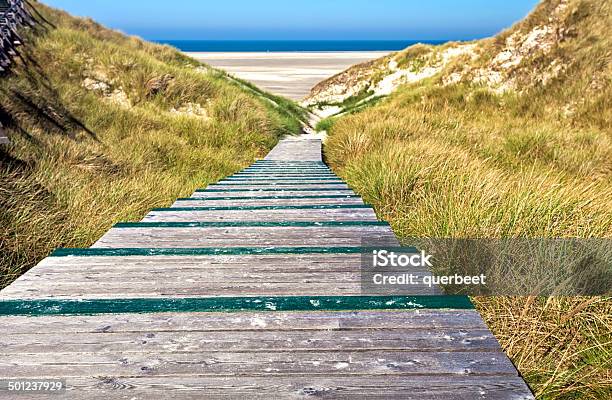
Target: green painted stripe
323, 196
225, 224
215, 251
284, 207
276, 190
229, 304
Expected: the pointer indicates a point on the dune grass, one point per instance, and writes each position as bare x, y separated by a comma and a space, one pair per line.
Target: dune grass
463, 162
105, 127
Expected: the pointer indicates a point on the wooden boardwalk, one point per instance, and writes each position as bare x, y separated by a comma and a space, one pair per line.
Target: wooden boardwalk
248, 289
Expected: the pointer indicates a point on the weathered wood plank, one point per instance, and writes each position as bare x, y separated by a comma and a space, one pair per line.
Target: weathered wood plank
276, 186
422, 340
272, 192
266, 363
280, 184
247, 321
246, 236
283, 174
266, 215
336, 387
256, 262
237, 201
152, 288
280, 178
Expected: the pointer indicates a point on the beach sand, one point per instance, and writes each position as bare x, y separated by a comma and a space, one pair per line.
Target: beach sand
288, 74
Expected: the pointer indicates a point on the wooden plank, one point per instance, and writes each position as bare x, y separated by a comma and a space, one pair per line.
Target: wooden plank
336, 387
229, 265
461, 320
232, 201
267, 215
270, 208
155, 289
249, 191
288, 185
422, 340
192, 277
258, 215
246, 236
276, 178
194, 283
285, 174
272, 192
272, 224
265, 363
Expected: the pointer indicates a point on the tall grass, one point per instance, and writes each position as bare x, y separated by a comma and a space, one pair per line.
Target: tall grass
462, 161
439, 163
82, 159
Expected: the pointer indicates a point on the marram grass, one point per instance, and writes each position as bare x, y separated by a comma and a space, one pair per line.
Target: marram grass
462, 161
93, 144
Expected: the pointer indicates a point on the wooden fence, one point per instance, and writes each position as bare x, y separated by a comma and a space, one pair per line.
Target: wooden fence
13, 15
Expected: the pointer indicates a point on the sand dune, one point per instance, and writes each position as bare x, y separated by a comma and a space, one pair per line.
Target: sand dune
288, 74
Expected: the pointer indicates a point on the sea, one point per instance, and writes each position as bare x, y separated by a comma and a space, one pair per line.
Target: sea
292, 45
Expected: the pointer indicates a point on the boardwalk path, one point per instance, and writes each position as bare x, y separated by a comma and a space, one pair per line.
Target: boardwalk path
247, 289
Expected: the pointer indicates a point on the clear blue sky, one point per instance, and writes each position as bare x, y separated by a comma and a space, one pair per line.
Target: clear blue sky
303, 19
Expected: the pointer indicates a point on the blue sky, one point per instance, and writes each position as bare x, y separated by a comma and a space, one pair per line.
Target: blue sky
303, 19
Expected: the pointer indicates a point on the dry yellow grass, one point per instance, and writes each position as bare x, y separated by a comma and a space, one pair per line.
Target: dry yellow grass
93, 143
464, 161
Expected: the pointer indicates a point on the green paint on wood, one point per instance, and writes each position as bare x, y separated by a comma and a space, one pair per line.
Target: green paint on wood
230, 304
218, 251
224, 224
285, 207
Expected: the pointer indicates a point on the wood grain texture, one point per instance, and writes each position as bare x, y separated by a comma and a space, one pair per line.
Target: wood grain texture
339, 387
237, 201
264, 215
247, 236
